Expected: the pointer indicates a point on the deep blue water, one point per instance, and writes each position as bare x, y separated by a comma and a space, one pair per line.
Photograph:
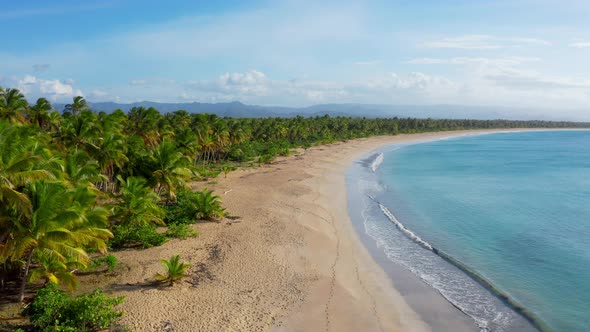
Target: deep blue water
512, 207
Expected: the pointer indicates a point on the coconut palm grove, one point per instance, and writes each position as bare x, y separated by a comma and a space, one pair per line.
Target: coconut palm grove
76, 184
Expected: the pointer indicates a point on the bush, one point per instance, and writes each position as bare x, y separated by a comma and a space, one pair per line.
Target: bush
109, 260
284, 151
145, 236
266, 159
184, 210
181, 231
208, 205
191, 206
241, 153
54, 310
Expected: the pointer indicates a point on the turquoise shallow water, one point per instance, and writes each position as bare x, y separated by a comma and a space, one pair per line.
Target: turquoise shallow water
512, 207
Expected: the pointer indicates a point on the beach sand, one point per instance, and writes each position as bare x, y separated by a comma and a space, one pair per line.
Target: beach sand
289, 259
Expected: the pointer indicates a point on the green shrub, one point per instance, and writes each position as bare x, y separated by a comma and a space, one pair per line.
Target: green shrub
181, 231
54, 310
266, 159
208, 205
184, 210
191, 206
241, 153
145, 236
109, 260
174, 270
284, 151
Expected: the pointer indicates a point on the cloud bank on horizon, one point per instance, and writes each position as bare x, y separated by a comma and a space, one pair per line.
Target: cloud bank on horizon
515, 53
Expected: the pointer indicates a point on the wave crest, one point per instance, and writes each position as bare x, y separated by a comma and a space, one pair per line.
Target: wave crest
377, 162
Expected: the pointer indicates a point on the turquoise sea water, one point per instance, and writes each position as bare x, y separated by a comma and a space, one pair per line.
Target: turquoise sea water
513, 208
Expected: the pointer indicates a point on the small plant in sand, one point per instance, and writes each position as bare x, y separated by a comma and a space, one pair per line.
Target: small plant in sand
226, 169
174, 270
208, 205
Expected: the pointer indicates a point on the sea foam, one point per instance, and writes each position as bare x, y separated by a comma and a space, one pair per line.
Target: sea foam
377, 162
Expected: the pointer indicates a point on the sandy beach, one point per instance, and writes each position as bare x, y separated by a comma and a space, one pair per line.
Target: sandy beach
288, 259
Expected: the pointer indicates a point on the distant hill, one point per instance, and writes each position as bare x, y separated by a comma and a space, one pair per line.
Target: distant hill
240, 110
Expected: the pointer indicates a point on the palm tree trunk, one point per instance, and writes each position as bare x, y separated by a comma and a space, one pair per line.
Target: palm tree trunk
23, 285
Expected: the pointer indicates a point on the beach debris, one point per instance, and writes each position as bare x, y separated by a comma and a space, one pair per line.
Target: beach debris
167, 326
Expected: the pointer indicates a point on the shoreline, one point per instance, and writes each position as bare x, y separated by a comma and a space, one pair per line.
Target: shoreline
289, 260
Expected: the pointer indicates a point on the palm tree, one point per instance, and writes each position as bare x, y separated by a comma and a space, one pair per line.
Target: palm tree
137, 204
110, 153
53, 122
19, 166
208, 205
78, 105
169, 170
78, 131
13, 106
237, 132
179, 119
49, 268
63, 222
187, 142
80, 168
39, 113
221, 136
175, 270
144, 122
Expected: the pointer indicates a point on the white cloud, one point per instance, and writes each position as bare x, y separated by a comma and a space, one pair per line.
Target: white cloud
250, 83
580, 44
511, 81
99, 95
513, 60
493, 82
535, 81
484, 42
34, 87
256, 87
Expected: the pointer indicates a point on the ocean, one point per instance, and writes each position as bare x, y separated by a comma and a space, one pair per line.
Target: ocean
499, 224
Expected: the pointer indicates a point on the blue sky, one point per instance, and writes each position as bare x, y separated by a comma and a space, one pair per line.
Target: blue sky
517, 53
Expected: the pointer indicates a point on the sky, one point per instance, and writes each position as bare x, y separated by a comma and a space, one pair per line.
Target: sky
513, 53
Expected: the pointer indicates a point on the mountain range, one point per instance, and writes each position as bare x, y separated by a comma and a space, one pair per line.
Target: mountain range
240, 110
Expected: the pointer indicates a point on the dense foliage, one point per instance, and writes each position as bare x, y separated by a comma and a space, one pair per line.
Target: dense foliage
54, 310
77, 181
